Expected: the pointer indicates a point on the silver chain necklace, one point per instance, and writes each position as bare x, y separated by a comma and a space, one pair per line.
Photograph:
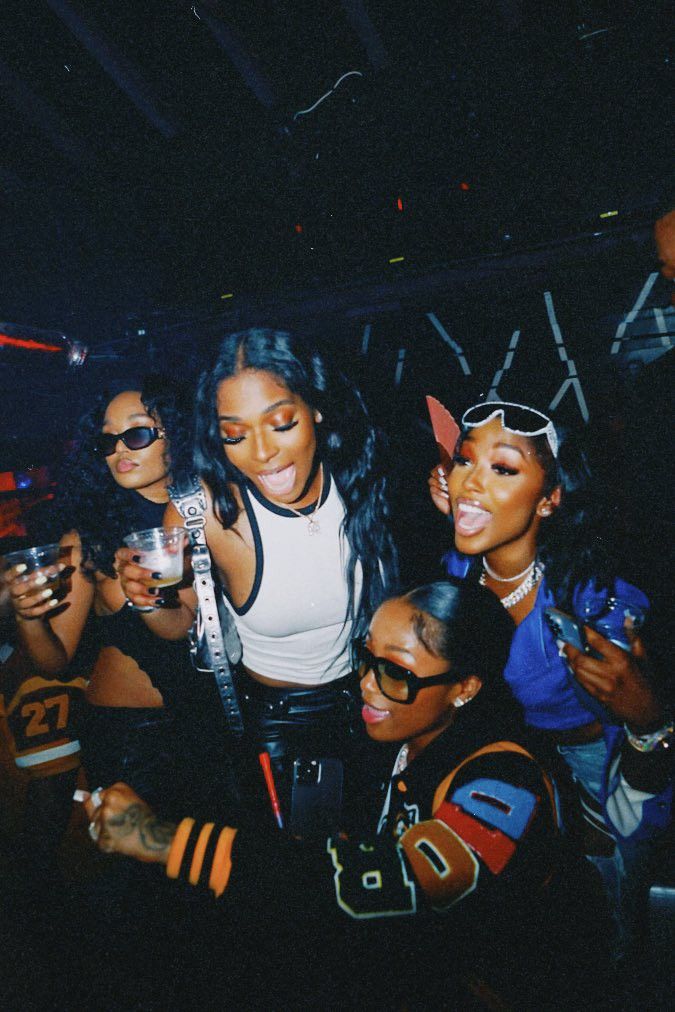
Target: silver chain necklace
313, 526
523, 589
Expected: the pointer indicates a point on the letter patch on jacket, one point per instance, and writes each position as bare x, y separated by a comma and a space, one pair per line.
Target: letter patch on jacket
371, 880
506, 809
441, 862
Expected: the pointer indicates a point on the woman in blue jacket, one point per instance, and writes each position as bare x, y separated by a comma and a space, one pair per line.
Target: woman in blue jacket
524, 527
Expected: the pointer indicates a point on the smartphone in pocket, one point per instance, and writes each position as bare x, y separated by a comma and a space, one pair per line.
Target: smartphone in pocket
316, 797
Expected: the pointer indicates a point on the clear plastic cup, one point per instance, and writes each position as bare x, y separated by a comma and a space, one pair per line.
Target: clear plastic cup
161, 551
46, 558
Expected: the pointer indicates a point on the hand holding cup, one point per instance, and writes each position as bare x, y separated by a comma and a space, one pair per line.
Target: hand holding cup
153, 560
34, 580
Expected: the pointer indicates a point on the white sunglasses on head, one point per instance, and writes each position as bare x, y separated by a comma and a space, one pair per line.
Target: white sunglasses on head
517, 418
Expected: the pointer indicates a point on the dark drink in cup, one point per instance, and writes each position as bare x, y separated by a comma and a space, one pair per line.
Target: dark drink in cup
48, 559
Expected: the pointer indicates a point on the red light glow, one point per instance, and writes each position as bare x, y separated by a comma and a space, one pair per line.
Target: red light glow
20, 342
464, 187
399, 204
299, 229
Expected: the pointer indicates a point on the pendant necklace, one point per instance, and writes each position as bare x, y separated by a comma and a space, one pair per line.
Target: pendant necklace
313, 526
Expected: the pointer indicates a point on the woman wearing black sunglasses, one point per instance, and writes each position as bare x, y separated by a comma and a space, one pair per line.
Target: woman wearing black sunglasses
462, 831
116, 482
527, 526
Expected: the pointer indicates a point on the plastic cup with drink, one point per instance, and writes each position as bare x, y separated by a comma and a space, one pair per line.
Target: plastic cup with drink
161, 551
48, 559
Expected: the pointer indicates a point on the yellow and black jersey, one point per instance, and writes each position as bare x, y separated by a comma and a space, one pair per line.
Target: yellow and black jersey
39, 714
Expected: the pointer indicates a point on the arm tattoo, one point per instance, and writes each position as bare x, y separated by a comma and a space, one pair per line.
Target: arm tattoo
153, 833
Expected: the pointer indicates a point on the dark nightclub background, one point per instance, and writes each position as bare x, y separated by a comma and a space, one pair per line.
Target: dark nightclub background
457, 198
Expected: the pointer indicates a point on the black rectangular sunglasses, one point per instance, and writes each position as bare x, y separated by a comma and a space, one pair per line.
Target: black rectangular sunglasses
393, 680
136, 438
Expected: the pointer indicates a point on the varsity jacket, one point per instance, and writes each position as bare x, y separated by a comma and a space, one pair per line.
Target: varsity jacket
455, 890
459, 825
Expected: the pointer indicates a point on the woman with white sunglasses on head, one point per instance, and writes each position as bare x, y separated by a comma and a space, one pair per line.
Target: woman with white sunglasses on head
526, 526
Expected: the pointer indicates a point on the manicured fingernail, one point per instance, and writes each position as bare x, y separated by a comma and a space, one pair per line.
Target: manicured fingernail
157, 576
135, 558
40, 579
46, 593
80, 795
21, 568
53, 604
441, 472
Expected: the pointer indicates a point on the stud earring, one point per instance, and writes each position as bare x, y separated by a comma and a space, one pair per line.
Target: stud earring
458, 701
318, 417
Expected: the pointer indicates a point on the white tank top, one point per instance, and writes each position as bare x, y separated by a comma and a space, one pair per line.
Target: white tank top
293, 626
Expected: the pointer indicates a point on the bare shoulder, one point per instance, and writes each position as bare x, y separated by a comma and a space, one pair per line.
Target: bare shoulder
228, 545
71, 539
172, 517
70, 551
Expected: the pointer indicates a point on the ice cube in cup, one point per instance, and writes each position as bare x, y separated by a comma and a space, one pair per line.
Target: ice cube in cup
161, 550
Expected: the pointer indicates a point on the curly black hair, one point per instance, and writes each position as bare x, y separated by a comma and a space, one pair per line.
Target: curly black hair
89, 499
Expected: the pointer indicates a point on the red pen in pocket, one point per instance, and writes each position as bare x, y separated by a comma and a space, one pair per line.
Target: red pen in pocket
264, 758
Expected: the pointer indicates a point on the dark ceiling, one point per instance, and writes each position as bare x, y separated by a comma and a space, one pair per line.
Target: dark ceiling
158, 154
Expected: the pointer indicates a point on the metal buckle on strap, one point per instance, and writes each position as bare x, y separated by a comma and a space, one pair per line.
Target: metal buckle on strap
191, 505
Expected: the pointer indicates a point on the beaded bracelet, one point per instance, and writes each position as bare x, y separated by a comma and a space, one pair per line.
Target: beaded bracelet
650, 742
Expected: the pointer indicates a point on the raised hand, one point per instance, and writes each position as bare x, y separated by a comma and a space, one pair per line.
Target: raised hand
135, 580
438, 488
35, 594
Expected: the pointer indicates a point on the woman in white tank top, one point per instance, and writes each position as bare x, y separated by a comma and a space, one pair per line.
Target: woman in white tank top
297, 527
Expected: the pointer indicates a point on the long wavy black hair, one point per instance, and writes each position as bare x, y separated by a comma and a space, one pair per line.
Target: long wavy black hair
466, 624
347, 442
89, 499
574, 542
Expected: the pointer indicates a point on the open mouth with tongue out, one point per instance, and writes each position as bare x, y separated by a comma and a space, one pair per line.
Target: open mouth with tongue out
470, 518
279, 482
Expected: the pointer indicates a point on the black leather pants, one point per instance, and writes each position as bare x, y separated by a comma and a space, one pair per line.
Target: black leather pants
293, 724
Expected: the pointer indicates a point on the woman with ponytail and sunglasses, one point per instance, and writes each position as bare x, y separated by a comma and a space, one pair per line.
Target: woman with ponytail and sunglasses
297, 525
526, 526
115, 482
447, 881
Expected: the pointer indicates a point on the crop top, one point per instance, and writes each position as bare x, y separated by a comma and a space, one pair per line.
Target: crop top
295, 627
166, 662
551, 697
